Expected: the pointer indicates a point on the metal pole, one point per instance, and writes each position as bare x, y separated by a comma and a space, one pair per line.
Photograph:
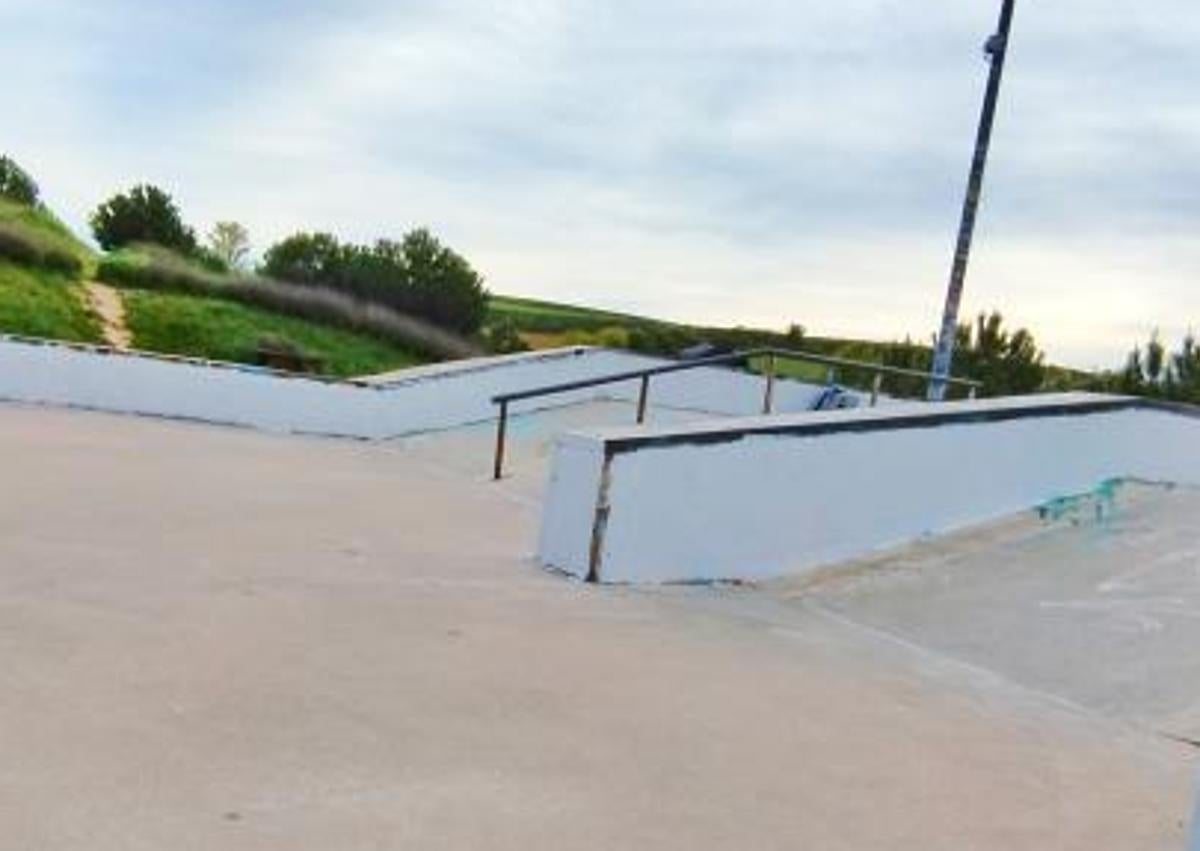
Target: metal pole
501, 428
769, 394
943, 356
642, 395
875, 386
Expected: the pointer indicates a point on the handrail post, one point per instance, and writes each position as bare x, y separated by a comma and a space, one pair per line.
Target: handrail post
973, 392
501, 429
769, 393
876, 384
831, 375
643, 395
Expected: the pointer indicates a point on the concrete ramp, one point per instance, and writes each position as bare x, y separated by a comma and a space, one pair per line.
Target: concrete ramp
1094, 603
422, 399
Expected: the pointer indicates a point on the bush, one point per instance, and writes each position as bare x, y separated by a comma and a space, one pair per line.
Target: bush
16, 184
417, 276
502, 338
153, 268
26, 249
145, 214
307, 258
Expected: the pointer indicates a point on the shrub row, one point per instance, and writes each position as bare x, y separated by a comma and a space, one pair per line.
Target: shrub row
418, 276
26, 249
150, 267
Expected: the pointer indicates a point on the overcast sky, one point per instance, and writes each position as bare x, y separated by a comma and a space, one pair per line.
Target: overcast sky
726, 162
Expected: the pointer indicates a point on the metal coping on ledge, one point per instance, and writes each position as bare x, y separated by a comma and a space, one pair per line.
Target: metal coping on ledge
899, 422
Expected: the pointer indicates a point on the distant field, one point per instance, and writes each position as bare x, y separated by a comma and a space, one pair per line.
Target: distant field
40, 303
534, 315
224, 330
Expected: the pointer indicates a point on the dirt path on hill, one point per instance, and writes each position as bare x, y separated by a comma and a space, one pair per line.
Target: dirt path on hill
107, 304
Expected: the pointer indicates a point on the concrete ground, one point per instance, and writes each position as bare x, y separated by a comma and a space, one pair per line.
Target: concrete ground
221, 639
1098, 610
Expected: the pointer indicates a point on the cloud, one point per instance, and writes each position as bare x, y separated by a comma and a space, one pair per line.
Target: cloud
733, 162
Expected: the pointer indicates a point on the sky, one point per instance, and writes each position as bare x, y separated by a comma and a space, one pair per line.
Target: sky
756, 163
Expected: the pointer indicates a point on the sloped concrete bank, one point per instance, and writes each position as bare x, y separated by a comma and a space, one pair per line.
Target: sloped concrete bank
411, 401
762, 497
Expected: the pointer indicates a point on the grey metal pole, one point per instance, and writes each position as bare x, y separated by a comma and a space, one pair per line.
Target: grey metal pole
943, 356
769, 392
643, 395
501, 432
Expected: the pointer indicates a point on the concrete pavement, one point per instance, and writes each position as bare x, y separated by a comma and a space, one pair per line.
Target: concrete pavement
215, 638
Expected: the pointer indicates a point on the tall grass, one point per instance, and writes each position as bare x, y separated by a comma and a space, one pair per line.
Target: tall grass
26, 247
50, 239
149, 267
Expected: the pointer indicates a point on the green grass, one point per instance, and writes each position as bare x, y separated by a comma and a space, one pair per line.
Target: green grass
217, 329
41, 303
533, 315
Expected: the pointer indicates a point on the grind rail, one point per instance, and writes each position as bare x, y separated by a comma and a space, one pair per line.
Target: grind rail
771, 356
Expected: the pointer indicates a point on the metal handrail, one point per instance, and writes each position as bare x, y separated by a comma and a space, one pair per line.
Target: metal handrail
644, 375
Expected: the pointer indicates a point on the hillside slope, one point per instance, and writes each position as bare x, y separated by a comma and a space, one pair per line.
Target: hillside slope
46, 272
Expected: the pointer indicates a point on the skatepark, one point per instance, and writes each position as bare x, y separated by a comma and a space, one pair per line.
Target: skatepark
221, 636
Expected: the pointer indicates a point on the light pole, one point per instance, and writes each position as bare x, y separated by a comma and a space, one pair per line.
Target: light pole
996, 49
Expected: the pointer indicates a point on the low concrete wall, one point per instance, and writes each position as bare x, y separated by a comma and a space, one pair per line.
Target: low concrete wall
764, 497
406, 402
124, 382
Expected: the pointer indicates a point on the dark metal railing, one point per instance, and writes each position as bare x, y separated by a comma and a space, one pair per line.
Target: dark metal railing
644, 375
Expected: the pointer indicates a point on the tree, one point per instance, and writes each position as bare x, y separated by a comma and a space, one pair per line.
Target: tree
305, 258
1151, 371
417, 275
143, 214
1006, 363
16, 184
444, 286
230, 241
1185, 369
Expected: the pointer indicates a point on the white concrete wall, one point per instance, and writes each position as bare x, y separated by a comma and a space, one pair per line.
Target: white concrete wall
130, 383
718, 501
423, 399
571, 513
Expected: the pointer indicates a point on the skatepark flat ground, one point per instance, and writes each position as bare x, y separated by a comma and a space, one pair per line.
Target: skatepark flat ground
215, 638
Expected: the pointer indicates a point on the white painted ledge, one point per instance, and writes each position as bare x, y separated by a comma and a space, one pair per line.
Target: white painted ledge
756, 497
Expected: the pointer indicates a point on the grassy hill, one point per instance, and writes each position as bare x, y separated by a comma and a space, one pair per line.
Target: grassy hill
41, 264
44, 270
218, 329
544, 324
549, 316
